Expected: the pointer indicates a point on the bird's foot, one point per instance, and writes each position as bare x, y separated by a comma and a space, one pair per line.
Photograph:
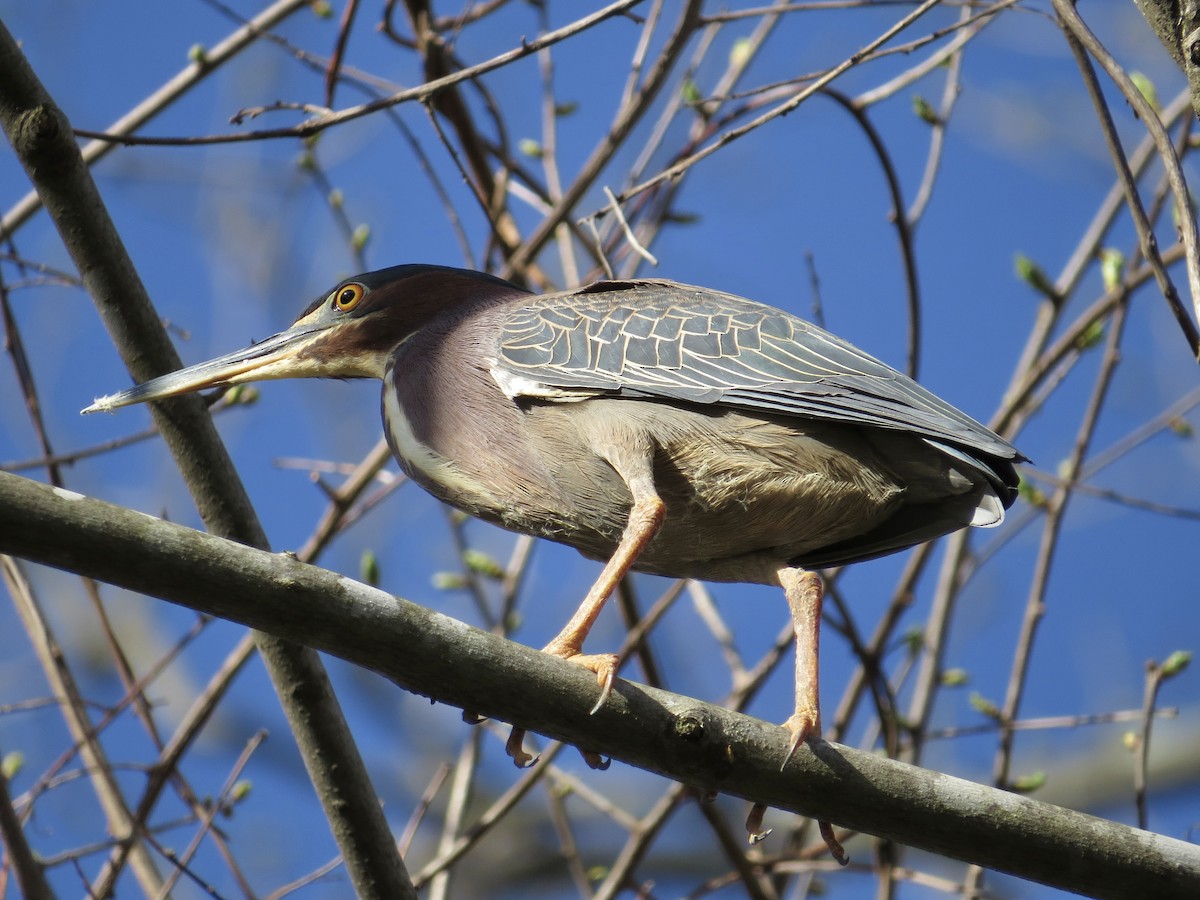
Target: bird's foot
803, 724
515, 748
604, 665
756, 833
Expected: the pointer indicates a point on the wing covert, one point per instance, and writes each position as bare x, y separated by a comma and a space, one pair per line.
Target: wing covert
658, 339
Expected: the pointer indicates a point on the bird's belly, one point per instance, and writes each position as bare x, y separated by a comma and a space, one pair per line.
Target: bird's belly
737, 488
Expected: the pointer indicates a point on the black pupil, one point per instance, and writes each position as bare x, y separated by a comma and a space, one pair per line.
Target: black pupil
347, 297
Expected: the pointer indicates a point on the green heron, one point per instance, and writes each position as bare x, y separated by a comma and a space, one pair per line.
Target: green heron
657, 426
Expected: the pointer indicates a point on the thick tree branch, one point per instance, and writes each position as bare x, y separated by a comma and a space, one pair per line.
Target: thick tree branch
704, 746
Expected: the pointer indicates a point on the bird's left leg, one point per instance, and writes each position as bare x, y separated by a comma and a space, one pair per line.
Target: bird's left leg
805, 595
634, 465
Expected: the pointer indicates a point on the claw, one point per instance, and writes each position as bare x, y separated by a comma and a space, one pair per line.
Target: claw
801, 726
595, 760
472, 718
754, 821
602, 665
515, 748
606, 674
835, 847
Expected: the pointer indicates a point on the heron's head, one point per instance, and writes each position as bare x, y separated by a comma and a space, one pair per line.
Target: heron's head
348, 332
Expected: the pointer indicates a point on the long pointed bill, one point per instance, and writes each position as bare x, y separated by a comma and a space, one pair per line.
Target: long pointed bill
279, 356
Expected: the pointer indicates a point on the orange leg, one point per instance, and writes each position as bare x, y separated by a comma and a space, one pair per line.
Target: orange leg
805, 595
645, 519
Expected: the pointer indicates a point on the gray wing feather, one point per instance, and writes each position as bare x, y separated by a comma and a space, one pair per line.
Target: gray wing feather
661, 340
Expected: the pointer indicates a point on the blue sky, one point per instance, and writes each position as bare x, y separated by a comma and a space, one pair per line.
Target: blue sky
233, 240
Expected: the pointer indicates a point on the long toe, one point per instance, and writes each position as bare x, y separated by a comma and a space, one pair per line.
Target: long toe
515, 748
834, 845
754, 824
594, 760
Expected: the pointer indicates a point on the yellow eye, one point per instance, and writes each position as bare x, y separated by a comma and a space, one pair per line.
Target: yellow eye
348, 297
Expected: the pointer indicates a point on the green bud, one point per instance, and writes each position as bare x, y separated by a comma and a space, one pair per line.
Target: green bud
197, 54
337, 198
482, 564
362, 234
567, 108
691, 93
913, 640
12, 764
1176, 663
955, 677
982, 704
1181, 427
238, 793
924, 110
1033, 275
1090, 336
1031, 494
1112, 268
241, 395
368, 568
449, 581
739, 55
322, 9
1146, 88
531, 148
1027, 784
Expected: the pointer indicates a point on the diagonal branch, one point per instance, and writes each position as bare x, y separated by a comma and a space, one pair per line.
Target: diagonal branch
1080, 38
162, 98
42, 138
